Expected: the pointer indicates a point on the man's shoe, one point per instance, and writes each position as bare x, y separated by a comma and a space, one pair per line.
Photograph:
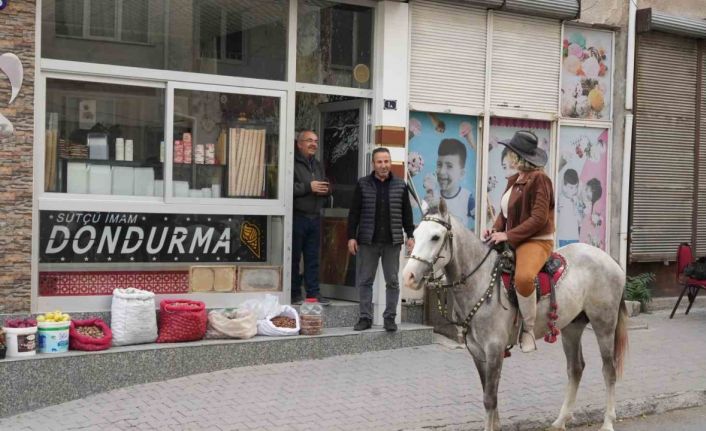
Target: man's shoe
390, 325
323, 301
363, 324
297, 301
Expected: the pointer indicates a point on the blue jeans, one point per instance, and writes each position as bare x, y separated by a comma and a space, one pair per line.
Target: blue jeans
306, 235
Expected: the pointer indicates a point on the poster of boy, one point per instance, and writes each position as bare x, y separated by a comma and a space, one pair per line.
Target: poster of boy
442, 163
498, 168
581, 186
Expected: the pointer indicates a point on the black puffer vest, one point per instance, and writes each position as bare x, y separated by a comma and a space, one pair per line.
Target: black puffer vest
366, 227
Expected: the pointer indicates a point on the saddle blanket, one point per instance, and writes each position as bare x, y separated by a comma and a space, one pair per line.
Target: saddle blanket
551, 271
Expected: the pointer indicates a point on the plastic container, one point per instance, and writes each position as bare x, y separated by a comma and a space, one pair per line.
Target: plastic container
54, 337
20, 341
311, 317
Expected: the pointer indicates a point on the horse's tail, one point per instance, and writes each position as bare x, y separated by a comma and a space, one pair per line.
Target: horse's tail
620, 348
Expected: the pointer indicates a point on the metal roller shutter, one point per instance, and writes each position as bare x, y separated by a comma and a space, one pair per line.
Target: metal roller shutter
662, 200
526, 61
448, 48
701, 209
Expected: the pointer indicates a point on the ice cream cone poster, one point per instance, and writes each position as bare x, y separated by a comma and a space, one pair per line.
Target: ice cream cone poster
582, 186
587, 63
441, 163
498, 167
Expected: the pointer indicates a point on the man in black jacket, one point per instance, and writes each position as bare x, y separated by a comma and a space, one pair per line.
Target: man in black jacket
379, 212
310, 193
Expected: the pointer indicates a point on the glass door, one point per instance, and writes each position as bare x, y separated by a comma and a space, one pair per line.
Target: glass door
343, 150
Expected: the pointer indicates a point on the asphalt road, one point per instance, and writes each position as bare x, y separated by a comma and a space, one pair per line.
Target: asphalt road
693, 419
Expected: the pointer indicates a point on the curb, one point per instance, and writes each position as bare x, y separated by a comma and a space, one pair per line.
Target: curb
592, 414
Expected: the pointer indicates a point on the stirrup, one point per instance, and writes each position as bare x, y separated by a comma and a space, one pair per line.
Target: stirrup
525, 338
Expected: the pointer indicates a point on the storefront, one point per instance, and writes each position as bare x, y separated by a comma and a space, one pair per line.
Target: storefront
478, 75
520, 72
669, 164
164, 143
164, 131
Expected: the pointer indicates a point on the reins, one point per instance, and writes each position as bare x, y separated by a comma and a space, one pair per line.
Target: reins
502, 263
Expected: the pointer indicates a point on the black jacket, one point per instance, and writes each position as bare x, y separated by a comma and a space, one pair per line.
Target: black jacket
306, 202
363, 216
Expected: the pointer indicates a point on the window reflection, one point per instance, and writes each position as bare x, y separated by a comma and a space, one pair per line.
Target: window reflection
235, 38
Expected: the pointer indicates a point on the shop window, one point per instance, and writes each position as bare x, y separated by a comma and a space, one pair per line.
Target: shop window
334, 44
247, 38
114, 20
104, 139
225, 145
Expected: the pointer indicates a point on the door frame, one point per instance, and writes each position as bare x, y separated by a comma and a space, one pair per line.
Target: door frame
348, 293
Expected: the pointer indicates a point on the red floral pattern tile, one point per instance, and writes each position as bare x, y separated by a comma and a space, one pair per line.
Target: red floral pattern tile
83, 283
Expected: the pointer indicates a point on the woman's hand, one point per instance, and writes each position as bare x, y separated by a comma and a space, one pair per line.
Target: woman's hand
487, 233
497, 237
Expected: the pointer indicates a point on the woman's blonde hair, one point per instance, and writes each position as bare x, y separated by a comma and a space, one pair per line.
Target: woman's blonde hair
521, 164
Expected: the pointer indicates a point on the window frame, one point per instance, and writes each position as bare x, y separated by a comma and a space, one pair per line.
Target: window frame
117, 26
288, 87
223, 45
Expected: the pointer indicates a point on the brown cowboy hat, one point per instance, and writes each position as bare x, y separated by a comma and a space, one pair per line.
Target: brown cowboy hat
525, 144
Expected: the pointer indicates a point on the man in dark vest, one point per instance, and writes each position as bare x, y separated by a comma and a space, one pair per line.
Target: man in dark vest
379, 212
310, 193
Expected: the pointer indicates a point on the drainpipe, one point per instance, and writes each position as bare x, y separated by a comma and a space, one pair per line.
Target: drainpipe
627, 144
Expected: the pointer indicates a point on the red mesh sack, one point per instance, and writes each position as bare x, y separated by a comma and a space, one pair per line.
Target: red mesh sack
181, 320
78, 341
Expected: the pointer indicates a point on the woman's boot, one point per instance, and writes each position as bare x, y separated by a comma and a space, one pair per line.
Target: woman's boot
528, 310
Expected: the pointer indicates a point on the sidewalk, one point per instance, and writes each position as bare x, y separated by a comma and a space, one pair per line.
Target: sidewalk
430, 387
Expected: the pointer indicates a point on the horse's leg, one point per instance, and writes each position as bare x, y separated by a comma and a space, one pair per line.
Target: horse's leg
571, 342
605, 334
480, 366
493, 367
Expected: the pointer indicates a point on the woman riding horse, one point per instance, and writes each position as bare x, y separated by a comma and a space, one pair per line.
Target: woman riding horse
526, 221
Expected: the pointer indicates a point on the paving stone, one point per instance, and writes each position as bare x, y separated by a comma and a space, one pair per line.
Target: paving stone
434, 386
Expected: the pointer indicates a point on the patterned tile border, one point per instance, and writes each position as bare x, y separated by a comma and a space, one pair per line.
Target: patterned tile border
89, 283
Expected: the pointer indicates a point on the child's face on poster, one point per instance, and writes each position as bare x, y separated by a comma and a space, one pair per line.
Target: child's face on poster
570, 190
449, 173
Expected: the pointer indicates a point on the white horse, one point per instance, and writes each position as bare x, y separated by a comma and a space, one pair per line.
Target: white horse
590, 290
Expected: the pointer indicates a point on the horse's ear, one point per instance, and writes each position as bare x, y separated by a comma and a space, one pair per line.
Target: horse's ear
442, 207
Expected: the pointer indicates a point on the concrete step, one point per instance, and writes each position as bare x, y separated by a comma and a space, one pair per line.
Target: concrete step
46, 379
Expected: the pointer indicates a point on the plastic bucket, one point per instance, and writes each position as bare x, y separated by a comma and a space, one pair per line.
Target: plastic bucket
20, 341
54, 337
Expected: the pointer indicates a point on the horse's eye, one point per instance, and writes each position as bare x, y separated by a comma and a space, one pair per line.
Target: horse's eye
435, 238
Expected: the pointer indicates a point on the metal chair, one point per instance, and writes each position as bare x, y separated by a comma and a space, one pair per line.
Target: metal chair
691, 285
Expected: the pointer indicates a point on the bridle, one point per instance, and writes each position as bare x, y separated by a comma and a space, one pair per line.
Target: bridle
448, 240
435, 283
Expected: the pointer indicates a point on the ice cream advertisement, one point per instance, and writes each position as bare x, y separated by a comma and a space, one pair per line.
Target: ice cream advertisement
441, 163
581, 186
498, 168
587, 62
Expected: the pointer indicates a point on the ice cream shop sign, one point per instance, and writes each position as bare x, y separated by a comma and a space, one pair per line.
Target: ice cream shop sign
91, 237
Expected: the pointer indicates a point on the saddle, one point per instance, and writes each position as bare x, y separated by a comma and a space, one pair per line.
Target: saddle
544, 284
548, 276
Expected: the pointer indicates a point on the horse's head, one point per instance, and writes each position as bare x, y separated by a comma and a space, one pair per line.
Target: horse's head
432, 247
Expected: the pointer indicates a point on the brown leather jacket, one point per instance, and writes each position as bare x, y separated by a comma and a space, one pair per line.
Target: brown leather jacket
530, 210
